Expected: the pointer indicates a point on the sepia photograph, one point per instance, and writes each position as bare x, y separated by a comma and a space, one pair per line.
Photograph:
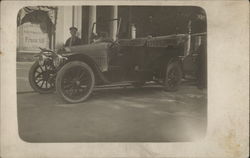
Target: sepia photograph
120, 79
111, 73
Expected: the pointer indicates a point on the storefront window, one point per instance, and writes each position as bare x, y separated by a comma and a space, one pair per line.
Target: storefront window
36, 28
31, 37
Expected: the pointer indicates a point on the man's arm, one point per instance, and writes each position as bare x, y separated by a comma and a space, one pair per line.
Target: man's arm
67, 42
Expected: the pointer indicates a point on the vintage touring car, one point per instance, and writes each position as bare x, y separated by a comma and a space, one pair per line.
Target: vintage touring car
74, 71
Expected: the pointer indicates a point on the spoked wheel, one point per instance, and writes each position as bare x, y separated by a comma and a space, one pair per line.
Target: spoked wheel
41, 78
75, 82
173, 77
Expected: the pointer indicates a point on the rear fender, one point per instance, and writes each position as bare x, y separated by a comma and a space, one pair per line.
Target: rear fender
168, 60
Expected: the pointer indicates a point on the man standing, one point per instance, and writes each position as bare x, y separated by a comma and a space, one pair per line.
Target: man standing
73, 40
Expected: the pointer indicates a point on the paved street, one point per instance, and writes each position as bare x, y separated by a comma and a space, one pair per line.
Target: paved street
128, 114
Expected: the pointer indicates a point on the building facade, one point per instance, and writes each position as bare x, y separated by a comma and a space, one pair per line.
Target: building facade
48, 26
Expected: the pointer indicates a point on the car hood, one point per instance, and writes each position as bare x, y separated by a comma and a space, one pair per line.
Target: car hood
98, 52
88, 49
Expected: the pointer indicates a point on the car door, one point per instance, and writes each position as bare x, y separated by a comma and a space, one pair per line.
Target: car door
115, 62
125, 62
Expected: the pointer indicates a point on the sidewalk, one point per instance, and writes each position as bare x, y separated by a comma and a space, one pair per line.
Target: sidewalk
22, 72
25, 57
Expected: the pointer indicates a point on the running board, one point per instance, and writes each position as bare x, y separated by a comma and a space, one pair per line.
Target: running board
123, 84
115, 84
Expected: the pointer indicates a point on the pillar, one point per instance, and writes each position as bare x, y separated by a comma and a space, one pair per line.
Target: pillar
77, 19
85, 24
113, 25
92, 19
67, 22
60, 28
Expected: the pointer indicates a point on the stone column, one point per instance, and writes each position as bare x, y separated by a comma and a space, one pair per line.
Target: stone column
62, 27
67, 22
113, 25
78, 19
92, 19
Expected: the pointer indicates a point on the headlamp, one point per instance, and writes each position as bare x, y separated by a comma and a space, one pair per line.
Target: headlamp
58, 59
41, 59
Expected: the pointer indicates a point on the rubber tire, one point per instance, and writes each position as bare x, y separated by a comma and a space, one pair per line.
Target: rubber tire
64, 69
177, 68
32, 80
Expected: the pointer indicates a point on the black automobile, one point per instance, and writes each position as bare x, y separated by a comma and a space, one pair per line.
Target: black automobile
74, 71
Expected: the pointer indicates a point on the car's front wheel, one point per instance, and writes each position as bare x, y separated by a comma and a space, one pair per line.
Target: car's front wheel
173, 77
75, 81
41, 78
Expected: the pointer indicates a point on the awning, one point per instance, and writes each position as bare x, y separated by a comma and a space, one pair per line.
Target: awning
51, 12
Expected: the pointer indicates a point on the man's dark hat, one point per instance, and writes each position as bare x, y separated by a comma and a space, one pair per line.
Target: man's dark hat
73, 28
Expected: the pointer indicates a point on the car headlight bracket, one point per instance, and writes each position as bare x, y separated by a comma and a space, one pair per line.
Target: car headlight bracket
58, 60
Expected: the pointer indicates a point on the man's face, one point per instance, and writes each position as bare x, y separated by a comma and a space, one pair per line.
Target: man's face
73, 32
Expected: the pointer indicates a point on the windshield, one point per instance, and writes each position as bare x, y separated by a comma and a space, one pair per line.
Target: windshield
105, 28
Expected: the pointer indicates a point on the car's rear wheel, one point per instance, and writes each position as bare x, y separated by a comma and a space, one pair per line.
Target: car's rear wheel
75, 82
173, 77
41, 78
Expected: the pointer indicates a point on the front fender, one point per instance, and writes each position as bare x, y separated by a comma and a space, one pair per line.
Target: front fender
88, 60
98, 52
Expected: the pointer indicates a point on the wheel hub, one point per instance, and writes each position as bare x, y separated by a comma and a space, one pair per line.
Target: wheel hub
46, 75
78, 83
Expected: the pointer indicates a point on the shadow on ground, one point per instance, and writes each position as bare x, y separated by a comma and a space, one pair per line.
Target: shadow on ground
146, 114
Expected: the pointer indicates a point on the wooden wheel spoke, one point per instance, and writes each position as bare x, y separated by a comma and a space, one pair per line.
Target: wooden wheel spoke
79, 72
49, 84
52, 84
37, 71
82, 74
41, 68
39, 74
37, 81
77, 89
84, 81
42, 84
49, 67
84, 78
71, 91
68, 86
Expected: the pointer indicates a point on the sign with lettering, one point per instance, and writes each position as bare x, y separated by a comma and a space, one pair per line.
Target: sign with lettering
31, 37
